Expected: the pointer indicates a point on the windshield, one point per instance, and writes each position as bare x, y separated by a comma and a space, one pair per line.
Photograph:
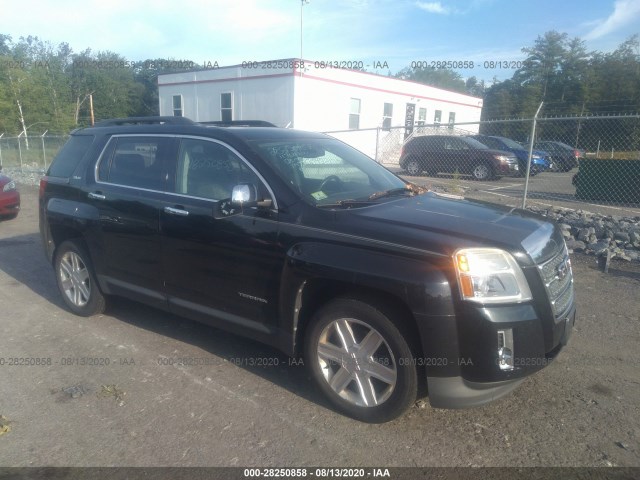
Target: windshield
474, 143
326, 171
510, 143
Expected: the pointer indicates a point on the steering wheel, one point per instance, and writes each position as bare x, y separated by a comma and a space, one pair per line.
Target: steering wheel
330, 179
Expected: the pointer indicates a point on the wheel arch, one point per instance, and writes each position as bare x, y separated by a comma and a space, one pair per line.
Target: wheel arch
318, 292
61, 233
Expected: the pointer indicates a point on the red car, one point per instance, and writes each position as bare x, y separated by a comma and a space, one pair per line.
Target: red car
9, 198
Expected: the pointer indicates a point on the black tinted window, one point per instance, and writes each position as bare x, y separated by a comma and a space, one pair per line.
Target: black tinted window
490, 142
136, 162
70, 155
432, 143
453, 143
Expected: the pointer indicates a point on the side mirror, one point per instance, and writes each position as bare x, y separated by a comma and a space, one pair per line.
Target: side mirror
246, 195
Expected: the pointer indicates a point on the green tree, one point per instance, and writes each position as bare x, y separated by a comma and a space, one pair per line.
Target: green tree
435, 77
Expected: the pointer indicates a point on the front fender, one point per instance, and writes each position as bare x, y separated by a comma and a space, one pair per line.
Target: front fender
420, 282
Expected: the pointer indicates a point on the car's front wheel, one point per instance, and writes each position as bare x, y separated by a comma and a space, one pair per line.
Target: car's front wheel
76, 279
361, 360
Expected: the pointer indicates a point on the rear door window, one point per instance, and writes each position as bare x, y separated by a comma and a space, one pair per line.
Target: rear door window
136, 161
433, 143
453, 143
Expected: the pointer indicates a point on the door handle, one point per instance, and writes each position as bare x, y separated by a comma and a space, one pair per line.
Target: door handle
96, 196
176, 211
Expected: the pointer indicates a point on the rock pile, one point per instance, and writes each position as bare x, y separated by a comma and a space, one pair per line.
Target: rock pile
596, 234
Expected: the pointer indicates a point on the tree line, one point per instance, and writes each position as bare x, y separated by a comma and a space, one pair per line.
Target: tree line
557, 70
47, 87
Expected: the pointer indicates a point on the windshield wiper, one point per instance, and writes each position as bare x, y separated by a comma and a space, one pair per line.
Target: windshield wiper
392, 192
347, 203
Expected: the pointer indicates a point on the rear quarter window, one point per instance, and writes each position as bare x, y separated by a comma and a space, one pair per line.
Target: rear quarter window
69, 156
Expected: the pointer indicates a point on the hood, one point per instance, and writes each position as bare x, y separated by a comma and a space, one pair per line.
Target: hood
442, 224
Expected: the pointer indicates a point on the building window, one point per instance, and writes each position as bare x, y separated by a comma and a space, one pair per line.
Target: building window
354, 114
177, 106
437, 118
226, 107
452, 119
387, 115
422, 116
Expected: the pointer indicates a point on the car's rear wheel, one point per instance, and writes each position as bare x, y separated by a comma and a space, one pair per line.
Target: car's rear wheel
361, 360
76, 279
414, 168
482, 171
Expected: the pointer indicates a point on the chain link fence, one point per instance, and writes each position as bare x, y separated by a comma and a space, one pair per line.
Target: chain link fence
589, 163
32, 154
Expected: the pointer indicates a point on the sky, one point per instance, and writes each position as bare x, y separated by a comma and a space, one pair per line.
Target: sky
381, 35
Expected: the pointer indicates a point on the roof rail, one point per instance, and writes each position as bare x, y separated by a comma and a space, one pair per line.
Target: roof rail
144, 120
239, 123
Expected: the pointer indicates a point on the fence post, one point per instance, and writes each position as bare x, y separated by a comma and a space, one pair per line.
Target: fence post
1, 135
44, 155
377, 143
531, 140
20, 152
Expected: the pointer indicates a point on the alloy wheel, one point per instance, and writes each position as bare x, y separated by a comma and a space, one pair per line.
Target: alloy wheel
75, 279
356, 362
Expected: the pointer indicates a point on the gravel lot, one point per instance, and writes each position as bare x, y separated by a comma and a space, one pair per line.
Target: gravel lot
584, 410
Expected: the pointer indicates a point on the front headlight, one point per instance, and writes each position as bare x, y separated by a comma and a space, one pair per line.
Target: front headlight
490, 275
501, 158
9, 186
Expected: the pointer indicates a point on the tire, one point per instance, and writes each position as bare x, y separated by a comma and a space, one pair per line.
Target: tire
482, 171
413, 168
76, 279
343, 338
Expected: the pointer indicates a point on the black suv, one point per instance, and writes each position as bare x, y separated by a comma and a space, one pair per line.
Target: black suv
564, 156
455, 153
302, 242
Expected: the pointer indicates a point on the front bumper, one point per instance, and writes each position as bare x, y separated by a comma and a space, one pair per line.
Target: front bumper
508, 168
456, 391
9, 203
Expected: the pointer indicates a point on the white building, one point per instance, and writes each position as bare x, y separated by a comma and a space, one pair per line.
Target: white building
312, 96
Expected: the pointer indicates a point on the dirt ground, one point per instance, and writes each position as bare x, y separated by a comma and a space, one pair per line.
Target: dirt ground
72, 408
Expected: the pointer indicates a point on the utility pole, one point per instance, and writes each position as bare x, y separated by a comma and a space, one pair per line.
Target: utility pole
302, 4
91, 109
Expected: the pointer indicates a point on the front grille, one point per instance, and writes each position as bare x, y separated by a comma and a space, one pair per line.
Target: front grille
558, 280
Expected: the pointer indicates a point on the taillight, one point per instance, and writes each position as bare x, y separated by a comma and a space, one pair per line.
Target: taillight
402, 152
43, 185
576, 153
